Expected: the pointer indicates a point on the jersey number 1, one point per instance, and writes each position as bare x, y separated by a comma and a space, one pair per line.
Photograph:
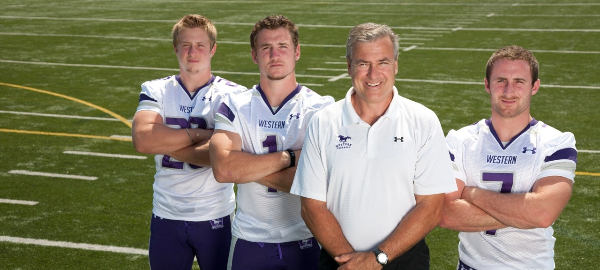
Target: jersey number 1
271, 144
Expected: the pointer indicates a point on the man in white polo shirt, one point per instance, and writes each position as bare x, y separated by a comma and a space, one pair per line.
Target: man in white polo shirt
374, 166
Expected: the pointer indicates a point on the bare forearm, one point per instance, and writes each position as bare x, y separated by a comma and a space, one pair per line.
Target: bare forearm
425, 216
536, 209
196, 154
241, 167
281, 180
161, 139
507, 208
326, 229
460, 215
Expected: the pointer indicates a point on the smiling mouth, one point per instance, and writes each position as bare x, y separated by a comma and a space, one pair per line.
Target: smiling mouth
373, 84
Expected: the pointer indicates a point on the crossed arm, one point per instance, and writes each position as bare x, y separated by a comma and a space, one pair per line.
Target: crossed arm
472, 209
412, 229
151, 136
232, 165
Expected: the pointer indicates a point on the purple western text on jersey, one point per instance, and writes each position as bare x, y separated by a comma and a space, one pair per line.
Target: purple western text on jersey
501, 159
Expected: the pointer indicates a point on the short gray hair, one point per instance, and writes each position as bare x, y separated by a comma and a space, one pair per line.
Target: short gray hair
368, 32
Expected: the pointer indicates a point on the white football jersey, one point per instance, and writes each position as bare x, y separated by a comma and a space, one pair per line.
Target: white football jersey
480, 159
184, 191
264, 214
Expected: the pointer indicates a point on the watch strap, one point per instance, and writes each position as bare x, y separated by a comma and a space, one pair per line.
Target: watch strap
378, 251
292, 158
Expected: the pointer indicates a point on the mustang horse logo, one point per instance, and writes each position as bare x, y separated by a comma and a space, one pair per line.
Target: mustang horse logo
344, 138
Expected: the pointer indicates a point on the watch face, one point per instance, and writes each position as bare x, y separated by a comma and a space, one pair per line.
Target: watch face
382, 258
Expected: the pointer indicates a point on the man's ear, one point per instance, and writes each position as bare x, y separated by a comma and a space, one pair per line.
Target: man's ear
213, 50
254, 57
536, 87
487, 85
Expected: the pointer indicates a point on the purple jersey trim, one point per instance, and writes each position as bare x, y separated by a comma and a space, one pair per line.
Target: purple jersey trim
212, 79
489, 123
566, 153
451, 156
226, 111
146, 97
290, 96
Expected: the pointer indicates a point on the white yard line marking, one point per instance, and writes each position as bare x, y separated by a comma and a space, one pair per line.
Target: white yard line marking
316, 25
529, 30
568, 86
97, 36
421, 35
490, 15
121, 136
311, 84
415, 3
448, 23
84, 65
319, 45
432, 32
456, 29
409, 48
424, 39
329, 69
341, 76
62, 116
18, 202
103, 155
70, 176
63, 244
462, 19
589, 151
493, 50
315, 76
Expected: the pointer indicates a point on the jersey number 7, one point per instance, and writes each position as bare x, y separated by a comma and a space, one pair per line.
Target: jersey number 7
507, 184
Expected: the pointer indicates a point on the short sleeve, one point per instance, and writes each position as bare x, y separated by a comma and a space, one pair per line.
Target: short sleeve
433, 170
150, 99
453, 143
561, 157
226, 117
310, 180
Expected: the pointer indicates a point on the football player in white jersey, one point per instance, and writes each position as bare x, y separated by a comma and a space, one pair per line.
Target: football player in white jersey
174, 121
257, 142
514, 174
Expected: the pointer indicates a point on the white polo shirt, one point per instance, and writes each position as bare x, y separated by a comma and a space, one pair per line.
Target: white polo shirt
369, 175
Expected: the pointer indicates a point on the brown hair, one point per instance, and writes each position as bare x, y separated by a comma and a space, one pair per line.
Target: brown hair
274, 22
193, 21
513, 52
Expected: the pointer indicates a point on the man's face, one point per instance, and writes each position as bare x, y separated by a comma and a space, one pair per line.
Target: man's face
275, 53
373, 70
510, 88
193, 50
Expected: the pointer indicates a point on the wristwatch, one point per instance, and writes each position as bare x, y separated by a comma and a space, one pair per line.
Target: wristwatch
381, 257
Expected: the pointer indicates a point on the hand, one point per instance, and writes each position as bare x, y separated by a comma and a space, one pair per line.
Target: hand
358, 260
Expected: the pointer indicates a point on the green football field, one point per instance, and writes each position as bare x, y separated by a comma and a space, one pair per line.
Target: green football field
74, 194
